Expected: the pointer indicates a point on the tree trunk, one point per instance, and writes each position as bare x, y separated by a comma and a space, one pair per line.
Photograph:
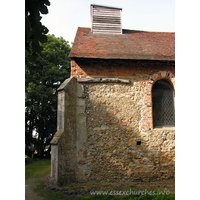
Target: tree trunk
41, 137
41, 149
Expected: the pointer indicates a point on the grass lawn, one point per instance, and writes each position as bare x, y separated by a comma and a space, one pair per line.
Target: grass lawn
40, 169
37, 168
130, 197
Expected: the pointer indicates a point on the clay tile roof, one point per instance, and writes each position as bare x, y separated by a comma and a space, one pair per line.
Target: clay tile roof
137, 45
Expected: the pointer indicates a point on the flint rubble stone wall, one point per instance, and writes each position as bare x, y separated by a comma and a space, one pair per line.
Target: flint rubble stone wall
115, 138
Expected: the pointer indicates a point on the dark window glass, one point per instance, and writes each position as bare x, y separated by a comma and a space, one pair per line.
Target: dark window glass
163, 104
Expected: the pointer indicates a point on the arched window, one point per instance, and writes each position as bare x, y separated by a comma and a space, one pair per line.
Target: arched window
163, 104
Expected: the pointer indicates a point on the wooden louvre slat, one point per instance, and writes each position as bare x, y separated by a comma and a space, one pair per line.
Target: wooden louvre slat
104, 19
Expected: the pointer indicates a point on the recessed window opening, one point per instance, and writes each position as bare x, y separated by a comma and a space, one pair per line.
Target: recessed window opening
163, 104
138, 142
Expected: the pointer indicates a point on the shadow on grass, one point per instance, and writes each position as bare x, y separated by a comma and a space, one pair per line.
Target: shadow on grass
128, 197
38, 169
77, 192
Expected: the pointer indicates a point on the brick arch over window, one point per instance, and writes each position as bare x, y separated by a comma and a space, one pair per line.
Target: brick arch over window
146, 122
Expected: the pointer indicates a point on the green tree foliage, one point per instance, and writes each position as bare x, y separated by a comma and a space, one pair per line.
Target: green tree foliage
43, 75
35, 32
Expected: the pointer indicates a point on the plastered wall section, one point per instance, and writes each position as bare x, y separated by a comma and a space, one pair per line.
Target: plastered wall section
63, 144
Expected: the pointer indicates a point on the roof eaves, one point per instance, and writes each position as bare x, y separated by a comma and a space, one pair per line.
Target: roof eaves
124, 58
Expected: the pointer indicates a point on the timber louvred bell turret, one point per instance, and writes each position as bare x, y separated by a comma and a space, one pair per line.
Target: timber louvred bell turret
106, 20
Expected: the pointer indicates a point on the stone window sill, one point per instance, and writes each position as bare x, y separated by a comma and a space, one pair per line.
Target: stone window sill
164, 129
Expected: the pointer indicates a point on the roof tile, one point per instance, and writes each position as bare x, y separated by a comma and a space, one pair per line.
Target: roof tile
132, 44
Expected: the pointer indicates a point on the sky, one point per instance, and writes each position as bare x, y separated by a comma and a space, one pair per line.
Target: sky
63, 19
65, 16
